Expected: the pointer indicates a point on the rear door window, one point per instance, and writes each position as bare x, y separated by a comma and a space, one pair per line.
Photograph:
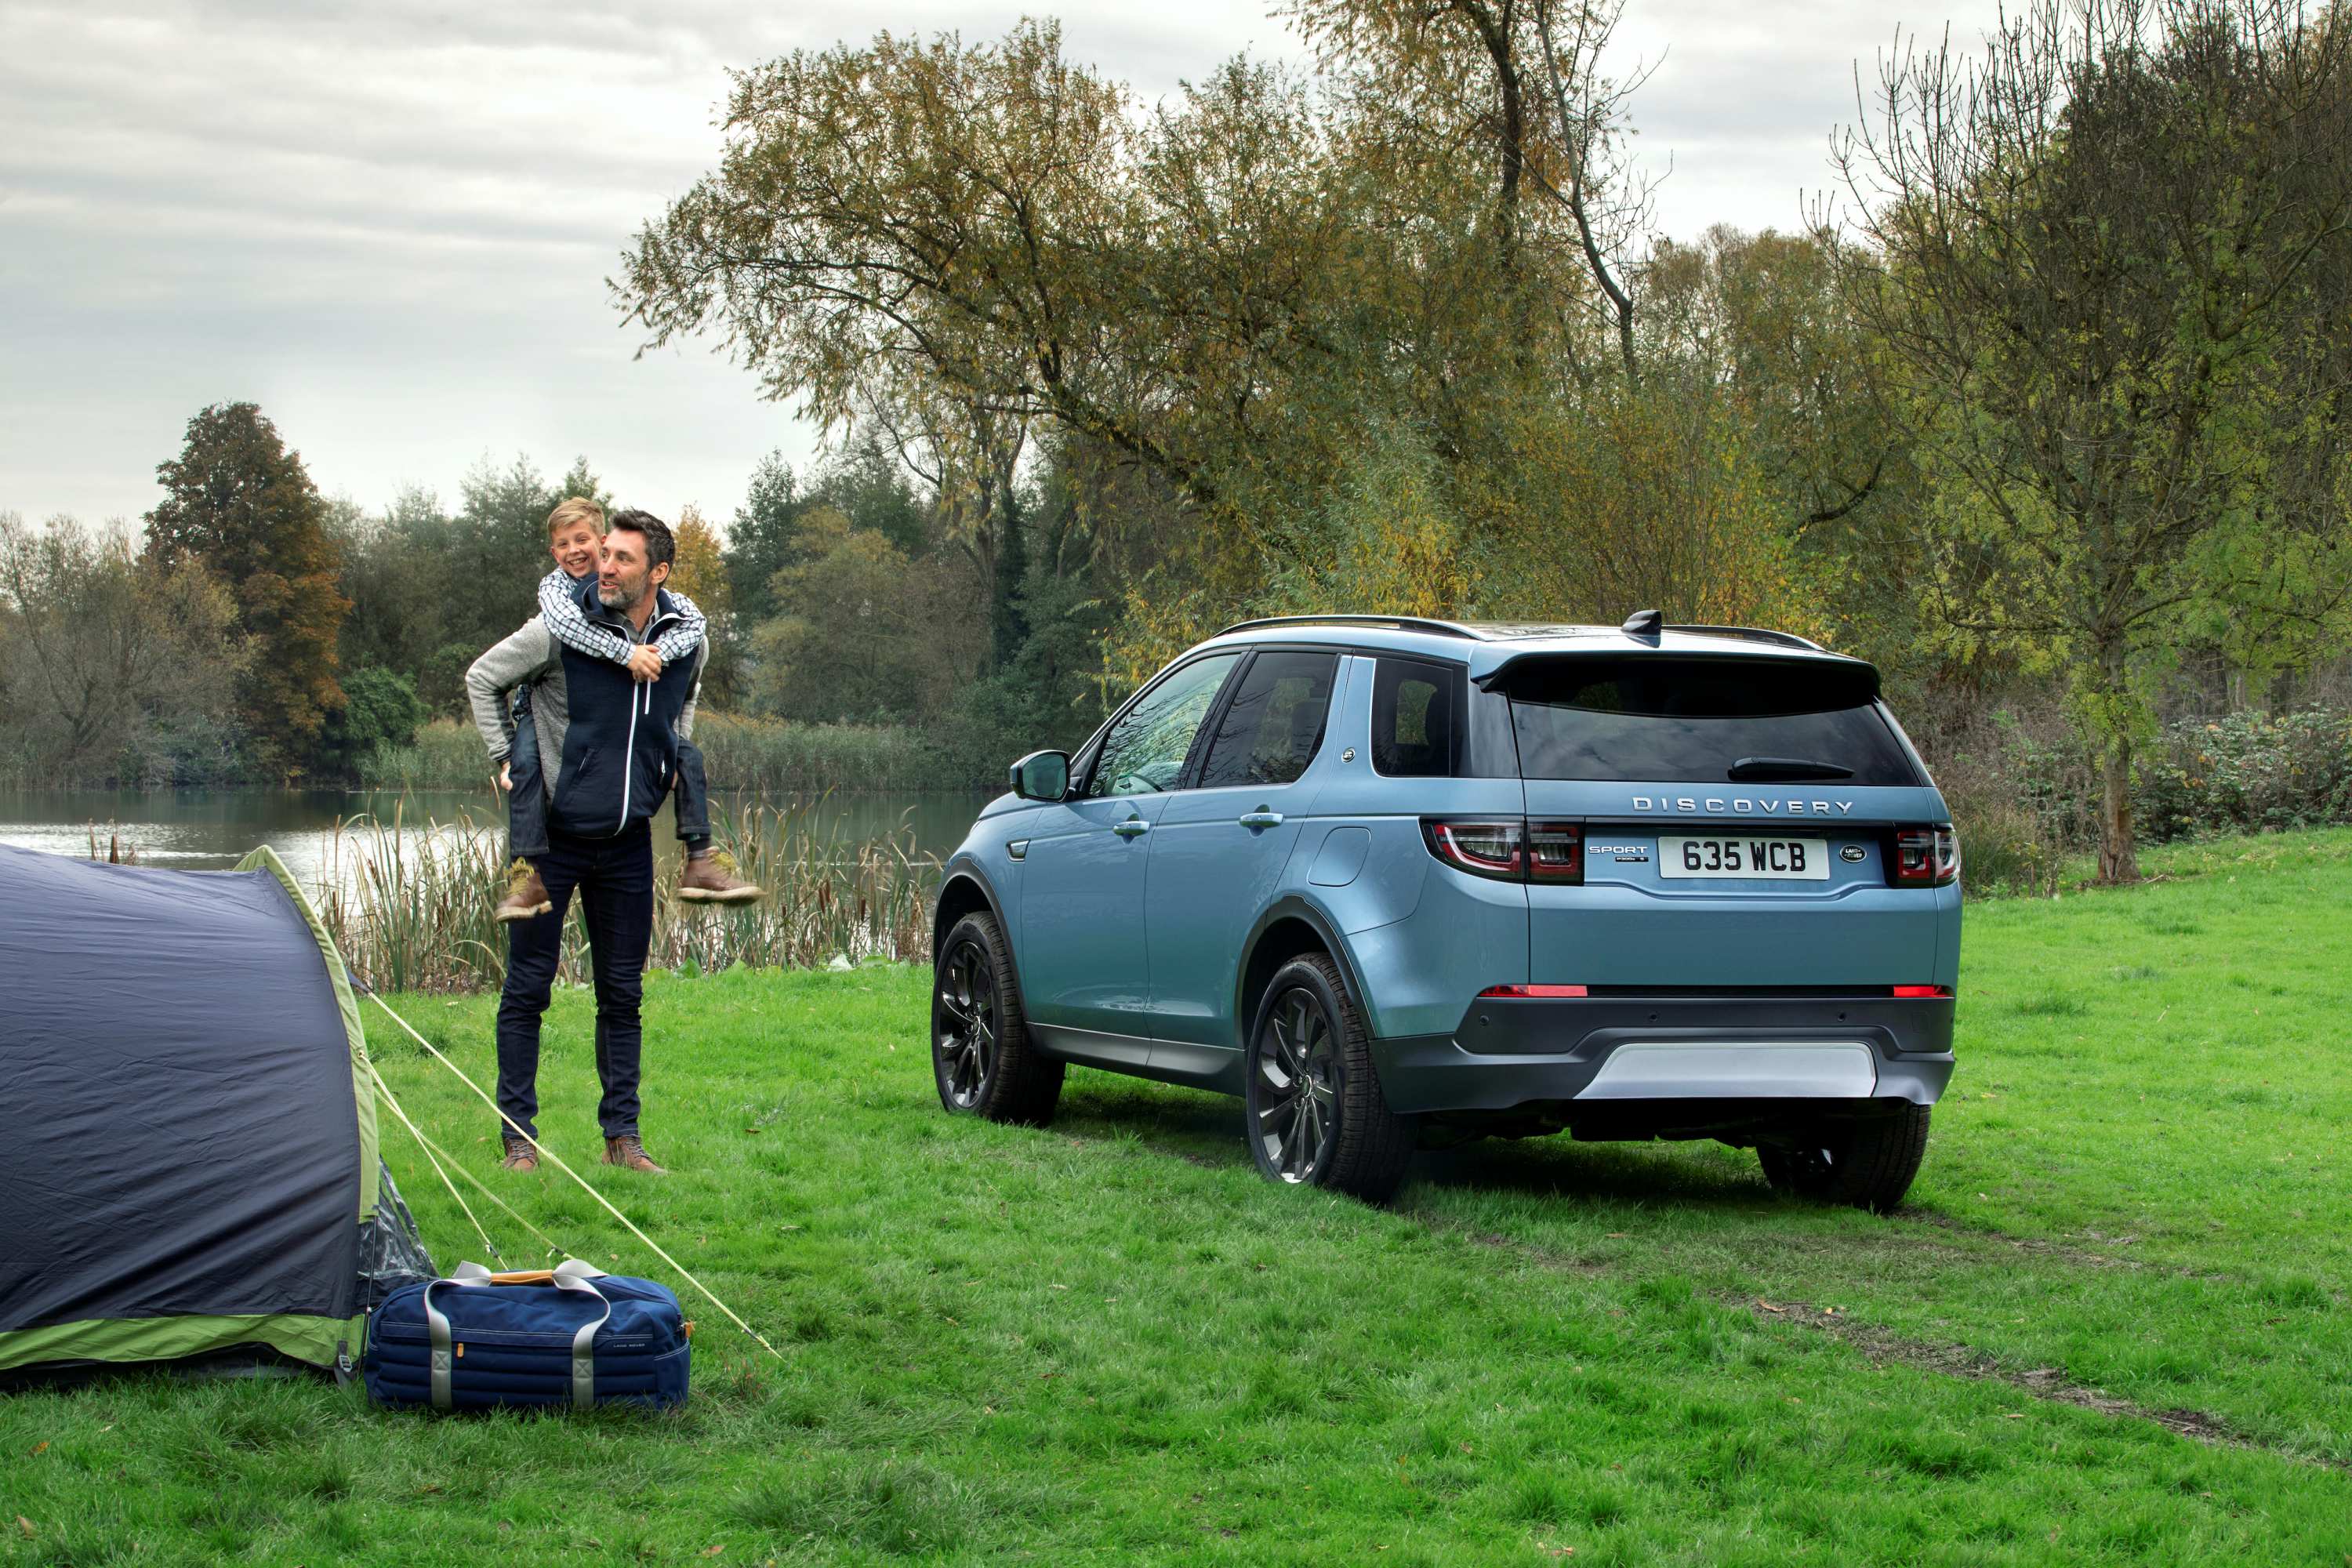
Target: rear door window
1656, 718
1274, 723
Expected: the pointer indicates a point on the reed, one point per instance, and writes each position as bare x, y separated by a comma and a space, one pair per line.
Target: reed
769, 756
116, 851
409, 903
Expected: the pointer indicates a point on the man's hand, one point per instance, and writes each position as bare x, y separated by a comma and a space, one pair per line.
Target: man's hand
646, 662
502, 782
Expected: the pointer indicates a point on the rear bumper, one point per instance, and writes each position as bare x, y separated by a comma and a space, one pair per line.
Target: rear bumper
1724, 1049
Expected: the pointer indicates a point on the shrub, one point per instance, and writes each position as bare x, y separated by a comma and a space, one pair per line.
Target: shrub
2258, 772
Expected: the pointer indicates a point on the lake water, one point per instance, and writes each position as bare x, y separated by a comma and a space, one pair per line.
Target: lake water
213, 829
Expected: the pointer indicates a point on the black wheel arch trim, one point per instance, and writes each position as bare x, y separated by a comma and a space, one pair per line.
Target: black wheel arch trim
1286, 908
970, 870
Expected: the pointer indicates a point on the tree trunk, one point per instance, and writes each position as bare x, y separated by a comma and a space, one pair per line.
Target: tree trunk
2118, 835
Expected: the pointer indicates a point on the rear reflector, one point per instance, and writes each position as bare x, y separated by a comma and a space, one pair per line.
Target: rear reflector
1534, 991
1942, 991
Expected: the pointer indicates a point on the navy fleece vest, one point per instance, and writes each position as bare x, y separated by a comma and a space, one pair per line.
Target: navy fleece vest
620, 753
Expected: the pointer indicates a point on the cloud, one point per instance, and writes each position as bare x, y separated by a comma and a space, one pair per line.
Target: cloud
391, 223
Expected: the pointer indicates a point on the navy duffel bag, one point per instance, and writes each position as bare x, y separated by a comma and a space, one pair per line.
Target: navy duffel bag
572, 1336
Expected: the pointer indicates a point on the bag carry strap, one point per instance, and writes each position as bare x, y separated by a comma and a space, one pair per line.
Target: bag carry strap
571, 1274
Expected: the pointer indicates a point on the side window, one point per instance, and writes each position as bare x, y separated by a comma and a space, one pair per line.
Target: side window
1144, 752
1413, 719
1274, 721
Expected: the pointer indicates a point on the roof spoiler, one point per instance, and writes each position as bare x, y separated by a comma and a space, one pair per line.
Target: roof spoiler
1841, 679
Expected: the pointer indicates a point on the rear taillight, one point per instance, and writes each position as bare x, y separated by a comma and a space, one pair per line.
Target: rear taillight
1484, 846
1924, 992
1555, 852
1924, 857
1508, 848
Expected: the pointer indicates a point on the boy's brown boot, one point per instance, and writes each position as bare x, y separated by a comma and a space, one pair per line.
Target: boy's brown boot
521, 1154
711, 880
526, 895
629, 1151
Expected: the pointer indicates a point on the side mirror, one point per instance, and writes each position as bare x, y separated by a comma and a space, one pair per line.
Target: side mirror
1041, 775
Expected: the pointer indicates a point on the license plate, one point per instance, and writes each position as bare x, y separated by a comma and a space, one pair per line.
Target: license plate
1747, 856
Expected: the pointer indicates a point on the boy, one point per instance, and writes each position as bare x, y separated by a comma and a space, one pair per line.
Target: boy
575, 537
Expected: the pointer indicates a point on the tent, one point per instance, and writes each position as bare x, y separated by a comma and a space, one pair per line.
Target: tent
188, 1164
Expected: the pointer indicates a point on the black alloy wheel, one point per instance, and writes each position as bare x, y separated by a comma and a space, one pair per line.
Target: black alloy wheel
964, 1044
983, 1059
1312, 1094
1294, 1111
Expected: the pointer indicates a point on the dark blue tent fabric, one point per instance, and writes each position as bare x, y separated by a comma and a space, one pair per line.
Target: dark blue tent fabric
178, 1130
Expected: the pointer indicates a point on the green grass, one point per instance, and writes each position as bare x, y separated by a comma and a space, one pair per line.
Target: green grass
1109, 1342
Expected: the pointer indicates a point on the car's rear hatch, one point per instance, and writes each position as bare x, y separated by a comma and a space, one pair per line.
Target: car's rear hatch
1739, 811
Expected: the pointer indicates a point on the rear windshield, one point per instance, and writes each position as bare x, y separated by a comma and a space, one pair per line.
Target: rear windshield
1658, 719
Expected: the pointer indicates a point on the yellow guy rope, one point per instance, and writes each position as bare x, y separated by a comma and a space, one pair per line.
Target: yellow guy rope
487, 1242
575, 1176
433, 1150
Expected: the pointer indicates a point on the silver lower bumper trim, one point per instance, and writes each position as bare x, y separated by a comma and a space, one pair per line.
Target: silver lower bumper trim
1737, 1069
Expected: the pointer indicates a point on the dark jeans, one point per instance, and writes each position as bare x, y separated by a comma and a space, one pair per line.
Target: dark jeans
690, 796
526, 792
615, 877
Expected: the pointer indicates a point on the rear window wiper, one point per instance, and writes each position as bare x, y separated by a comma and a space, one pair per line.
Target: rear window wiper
1766, 770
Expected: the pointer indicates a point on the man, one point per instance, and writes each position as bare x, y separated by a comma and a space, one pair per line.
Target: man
608, 754
575, 538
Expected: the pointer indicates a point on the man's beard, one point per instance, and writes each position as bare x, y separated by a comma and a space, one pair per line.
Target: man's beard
620, 598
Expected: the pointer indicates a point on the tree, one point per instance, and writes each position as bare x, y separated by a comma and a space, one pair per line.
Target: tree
700, 572
380, 713
2085, 251
111, 654
1008, 623
866, 633
759, 541
1524, 77
399, 572
239, 501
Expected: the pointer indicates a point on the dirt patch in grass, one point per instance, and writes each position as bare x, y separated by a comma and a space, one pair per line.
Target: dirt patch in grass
1882, 1345
2057, 1251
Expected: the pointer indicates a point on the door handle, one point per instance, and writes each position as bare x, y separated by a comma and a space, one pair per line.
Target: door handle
1261, 817
1130, 827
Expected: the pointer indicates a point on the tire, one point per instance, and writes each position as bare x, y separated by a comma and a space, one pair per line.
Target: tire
983, 1062
1338, 1133
1868, 1163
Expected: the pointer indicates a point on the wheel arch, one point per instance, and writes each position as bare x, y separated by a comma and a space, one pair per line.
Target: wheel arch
1290, 927
967, 891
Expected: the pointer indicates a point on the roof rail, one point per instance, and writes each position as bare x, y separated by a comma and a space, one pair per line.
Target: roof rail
1754, 634
1404, 623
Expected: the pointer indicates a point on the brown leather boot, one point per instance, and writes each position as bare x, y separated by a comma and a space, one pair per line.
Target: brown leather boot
711, 880
629, 1151
526, 895
521, 1154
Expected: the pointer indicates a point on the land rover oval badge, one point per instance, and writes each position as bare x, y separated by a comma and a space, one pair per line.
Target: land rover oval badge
1852, 852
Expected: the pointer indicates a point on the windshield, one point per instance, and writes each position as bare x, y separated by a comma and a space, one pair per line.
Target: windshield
1659, 719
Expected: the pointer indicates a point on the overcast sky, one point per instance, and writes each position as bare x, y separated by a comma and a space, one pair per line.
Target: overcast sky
390, 224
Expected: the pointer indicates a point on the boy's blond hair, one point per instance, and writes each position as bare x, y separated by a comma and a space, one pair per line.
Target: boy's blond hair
578, 509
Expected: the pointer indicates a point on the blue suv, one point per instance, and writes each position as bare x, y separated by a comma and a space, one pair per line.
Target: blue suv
1397, 883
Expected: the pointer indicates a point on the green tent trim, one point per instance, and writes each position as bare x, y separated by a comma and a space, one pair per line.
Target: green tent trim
265, 858
313, 1340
